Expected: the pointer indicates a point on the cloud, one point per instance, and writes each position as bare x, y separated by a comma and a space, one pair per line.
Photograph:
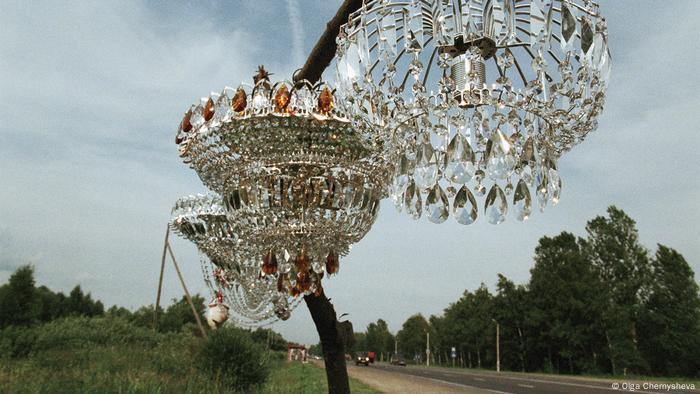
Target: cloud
297, 31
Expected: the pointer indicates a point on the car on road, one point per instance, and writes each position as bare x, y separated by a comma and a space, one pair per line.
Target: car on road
362, 358
398, 359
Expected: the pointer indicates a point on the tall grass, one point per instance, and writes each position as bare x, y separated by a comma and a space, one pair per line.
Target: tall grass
110, 355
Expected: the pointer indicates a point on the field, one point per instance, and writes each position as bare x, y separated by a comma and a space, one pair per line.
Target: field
107, 355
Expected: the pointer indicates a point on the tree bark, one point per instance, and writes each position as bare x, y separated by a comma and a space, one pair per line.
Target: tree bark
323, 52
333, 335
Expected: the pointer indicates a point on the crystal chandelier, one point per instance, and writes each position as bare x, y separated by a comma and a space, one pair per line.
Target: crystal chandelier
239, 290
299, 182
474, 98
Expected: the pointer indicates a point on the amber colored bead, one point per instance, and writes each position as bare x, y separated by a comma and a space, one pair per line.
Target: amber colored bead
239, 101
208, 112
325, 101
332, 263
302, 261
294, 291
303, 281
282, 99
269, 266
186, 125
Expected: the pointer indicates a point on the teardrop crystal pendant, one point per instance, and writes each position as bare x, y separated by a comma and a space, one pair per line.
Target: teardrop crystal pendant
496, 206
426, 171
522, 201
413, 201
460, 166
499, 156
464, 207
436, 205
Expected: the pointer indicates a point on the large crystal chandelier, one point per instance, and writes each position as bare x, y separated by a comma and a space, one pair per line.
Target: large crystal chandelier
475, 98
239, 291
299, 182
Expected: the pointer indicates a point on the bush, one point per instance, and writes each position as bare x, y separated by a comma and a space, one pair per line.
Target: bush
231, 357
16, 341
84, 332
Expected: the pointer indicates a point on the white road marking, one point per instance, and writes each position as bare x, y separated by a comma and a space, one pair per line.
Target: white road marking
532, 380
527, 386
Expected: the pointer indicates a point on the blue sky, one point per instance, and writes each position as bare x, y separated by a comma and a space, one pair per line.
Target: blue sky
91, 94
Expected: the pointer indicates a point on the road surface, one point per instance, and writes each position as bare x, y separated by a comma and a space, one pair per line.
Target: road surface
384, 377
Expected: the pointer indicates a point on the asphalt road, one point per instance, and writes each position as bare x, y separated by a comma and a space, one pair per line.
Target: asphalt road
515, 383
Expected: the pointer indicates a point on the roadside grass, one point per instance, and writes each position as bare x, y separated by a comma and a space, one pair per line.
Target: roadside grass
298, 378
107, 355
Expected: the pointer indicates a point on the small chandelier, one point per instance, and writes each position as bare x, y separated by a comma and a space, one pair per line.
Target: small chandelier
299, 182
239, 290
475, 98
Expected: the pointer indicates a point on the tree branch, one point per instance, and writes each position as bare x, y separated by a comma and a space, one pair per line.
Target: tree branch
324, 50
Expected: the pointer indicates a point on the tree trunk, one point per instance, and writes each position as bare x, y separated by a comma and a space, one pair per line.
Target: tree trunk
334, 336
522, 350
612, 354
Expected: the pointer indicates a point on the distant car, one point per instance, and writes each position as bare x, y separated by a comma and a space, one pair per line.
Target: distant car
398, 360
372, 356
362, 358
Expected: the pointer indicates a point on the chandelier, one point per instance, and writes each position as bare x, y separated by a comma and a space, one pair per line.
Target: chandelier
300, 183
238, 289
474, 98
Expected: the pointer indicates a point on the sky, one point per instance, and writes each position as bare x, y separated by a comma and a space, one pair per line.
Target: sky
91, 94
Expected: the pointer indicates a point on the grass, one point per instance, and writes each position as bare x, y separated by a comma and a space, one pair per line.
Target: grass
128, 371
298, 378
107, 356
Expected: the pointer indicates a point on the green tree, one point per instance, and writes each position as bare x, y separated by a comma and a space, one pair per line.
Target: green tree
119, 311
270, 339
670, 324
566, 299
51, 305
511, 307
622, 262
18, 299
379, 339
81, 304
360, 342
412, 337
179, 314
468, 325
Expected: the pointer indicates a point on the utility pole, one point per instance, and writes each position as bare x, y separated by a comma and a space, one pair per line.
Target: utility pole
427, 349
498, 346
396, 344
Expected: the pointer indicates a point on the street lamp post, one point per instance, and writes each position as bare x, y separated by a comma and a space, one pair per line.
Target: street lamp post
427, 349
498, 346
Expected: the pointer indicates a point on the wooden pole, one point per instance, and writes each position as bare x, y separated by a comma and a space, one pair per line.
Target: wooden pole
320, 307
187, 293
332, 342
160, 280
323, 52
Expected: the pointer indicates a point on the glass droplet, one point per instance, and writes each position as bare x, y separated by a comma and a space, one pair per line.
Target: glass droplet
496, 206
464, 207
436, 205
